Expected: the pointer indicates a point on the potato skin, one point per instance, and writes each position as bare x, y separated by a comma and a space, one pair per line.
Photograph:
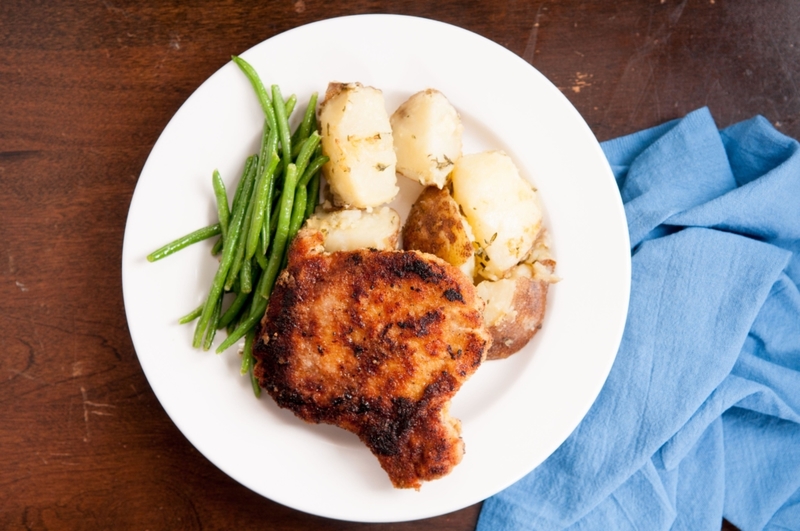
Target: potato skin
522, 320
435, 225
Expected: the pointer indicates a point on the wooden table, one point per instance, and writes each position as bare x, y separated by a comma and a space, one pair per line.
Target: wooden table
86, 88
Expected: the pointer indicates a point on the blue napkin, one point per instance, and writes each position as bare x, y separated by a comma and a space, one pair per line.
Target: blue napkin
700, 416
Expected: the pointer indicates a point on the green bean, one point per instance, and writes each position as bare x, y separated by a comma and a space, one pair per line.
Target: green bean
261, 195
309, 145
266, 226
263, 240
304, 129
221, 195
246, 276
312, 169
245, 203
298, 212
272, 144
228, 252
176, 245
283, 126
247, 362
261, 258
262, 251
263, 151
255, 384
255, 274
233, 310
217, 247
291, 102
252, 159
256, 313
240, 243
191, 316
247, 354
269, 143
273, 222
314, 126
231, 327
238, 257
281, 234
313, 195
258, 86
297, 219
254, 307
211, 331
271, 147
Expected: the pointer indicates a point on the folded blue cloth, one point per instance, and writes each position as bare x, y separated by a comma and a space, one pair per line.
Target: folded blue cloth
700, 416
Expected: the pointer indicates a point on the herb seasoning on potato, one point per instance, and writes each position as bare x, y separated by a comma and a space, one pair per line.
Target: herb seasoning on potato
357, 137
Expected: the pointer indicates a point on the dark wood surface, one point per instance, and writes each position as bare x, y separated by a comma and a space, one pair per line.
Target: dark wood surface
87, 86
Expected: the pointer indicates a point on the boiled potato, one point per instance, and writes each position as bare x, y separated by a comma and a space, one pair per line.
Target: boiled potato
515, 305
435, 225
500, 206
514, 310
541, 259
357, 137
350, 229
427, 137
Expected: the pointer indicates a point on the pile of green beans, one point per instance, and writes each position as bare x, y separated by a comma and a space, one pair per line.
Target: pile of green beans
277, 192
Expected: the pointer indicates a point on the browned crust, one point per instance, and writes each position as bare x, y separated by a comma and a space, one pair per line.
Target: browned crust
434, 226
376, 342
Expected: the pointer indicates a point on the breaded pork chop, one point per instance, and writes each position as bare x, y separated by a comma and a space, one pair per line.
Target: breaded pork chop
376, 342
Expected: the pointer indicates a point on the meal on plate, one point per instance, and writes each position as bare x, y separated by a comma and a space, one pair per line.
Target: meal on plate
350, 316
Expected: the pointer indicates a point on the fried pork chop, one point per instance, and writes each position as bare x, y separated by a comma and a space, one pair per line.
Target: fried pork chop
376, 342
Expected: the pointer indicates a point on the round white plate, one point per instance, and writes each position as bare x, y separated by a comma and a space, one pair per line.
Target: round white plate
514, 412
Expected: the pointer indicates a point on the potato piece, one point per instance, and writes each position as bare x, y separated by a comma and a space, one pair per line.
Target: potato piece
514, 311
351, 229
500, 206
357, 136
427, 137
435, 225
541, 259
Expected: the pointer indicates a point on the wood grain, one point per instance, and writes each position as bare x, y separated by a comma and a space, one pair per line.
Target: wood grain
87, 87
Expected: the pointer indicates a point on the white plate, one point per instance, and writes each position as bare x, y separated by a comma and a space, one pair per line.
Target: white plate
515, 412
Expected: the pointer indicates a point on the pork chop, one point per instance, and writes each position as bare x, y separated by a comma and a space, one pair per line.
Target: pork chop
378, 343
